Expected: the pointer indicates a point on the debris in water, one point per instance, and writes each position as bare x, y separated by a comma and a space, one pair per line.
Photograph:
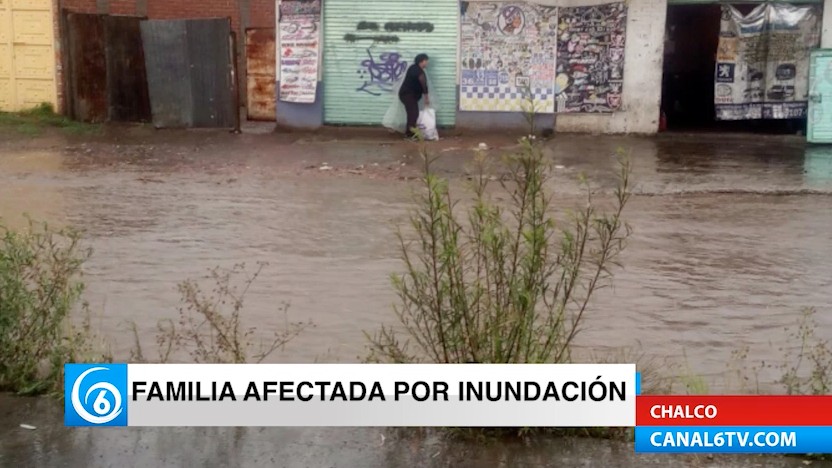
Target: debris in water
382, 439
27, 426
325, 167
483, 146
560, 167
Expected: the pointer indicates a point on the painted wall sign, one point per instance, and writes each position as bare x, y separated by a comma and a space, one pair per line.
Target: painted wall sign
590, 63
507, 52
299, 25
762, 69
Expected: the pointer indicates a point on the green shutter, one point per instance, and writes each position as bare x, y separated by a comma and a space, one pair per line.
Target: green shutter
351, 95
819, 118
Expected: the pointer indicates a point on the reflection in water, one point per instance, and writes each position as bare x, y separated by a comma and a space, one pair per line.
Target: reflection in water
31, 185
818, 165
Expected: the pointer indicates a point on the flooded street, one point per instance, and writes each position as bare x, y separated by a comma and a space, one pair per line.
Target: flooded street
731, 241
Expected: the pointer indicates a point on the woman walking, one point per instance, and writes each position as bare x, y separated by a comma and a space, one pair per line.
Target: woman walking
415, 86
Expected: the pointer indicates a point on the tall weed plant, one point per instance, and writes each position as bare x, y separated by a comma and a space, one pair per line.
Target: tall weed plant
40, 289
210, 327
500, 283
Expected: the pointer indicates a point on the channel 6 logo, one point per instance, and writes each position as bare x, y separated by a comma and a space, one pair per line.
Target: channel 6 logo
95, 394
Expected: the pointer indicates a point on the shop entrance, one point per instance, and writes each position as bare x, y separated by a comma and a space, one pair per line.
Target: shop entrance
691, 42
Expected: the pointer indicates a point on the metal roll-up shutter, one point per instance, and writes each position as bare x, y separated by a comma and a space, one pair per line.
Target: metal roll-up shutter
368, 45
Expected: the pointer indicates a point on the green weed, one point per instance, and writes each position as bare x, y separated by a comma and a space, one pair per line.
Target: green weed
33, 121
40, 293
210, 326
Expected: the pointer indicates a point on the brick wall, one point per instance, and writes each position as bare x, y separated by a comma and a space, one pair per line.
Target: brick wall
261, 12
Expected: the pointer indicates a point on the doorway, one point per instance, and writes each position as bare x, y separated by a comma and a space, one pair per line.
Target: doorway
691, 41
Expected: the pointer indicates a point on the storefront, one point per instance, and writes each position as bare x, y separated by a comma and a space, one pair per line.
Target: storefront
368, 45
738, 67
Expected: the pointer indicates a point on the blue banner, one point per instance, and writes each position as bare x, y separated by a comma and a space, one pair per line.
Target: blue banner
716, 440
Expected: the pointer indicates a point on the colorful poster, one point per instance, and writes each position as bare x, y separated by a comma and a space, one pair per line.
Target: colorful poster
762, 69
507, 51
299, 26
590, 62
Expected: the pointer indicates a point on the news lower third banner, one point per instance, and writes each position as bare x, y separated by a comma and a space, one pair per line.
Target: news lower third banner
352, 395
734, 424
442, 395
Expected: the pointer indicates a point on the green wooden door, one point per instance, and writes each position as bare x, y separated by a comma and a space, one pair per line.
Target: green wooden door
819, 125
368, 45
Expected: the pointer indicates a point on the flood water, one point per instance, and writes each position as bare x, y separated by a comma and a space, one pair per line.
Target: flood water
731, 240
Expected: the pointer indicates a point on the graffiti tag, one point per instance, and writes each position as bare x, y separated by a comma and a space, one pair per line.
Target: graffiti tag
381, 75
408, 27
380, 39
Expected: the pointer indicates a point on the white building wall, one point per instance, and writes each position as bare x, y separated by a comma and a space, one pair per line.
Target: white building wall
826, 26
643, 60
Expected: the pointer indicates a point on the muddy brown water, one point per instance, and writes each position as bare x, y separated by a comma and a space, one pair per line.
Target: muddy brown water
731, 240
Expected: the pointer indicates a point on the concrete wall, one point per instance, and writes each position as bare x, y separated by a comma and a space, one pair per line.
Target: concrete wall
643, 57
641, 97
826, 26
513, 122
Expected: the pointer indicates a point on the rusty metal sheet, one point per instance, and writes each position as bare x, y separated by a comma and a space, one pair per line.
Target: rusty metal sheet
189, 72
209, 50
88, 67
262, 73
165, 45
127, 91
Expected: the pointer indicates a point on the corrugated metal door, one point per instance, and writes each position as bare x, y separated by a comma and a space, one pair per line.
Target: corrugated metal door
128, 97
87, 73
27, 57
819, 125
189, 77
368, 45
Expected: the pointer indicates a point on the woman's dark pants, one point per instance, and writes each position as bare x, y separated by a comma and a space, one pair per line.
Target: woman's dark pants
411, 105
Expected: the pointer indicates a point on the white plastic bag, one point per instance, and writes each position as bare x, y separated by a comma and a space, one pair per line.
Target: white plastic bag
427, 124
395, 119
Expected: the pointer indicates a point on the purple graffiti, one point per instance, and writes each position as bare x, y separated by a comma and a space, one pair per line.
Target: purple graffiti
380, 75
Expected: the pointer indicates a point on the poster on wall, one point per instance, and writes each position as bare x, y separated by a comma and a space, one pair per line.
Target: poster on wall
299, 25
507, 51
762, 69
590, 61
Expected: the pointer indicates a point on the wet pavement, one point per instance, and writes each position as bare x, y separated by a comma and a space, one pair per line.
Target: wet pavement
731, 240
